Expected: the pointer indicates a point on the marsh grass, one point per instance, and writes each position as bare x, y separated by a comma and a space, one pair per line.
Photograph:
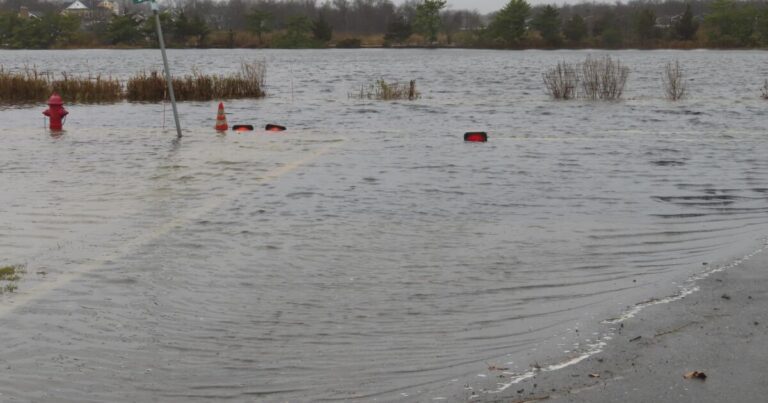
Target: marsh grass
31, 86
247, 83
25, 86
384, 91
90, 89
9, 277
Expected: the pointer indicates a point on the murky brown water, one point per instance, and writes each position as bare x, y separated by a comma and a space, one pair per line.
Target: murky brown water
367, 253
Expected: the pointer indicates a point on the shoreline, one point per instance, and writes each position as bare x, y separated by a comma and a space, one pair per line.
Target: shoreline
719, 328
399, 47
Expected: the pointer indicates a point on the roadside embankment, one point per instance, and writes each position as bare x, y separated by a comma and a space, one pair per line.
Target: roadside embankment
720, 331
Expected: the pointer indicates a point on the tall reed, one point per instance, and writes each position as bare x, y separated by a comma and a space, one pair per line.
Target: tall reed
384, 91
30, 86
88, 89
247, 83
27, 85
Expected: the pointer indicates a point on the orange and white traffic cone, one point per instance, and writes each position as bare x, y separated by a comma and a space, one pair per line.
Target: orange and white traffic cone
221, 119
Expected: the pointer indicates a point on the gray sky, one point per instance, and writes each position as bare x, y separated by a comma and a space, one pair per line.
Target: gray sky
487, 6
484, 6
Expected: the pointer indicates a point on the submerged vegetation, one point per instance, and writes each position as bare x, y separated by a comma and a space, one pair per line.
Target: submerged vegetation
673, 79
601, 79
765, 90
561, 81
247, 83
89, 89
27, 85
30, 85
384, 91
9, 277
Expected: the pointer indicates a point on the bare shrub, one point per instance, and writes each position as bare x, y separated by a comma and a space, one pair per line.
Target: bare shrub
603, 78
765, 90
674, 81
561, 81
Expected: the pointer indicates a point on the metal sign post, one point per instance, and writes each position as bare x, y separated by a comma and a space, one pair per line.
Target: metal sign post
156, 11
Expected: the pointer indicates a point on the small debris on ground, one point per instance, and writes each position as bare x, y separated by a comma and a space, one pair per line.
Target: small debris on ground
594, 375
532, 399
496, 368
636, 338
726, 296
695, 375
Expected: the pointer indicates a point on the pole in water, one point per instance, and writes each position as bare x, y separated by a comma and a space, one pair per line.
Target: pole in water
168, 79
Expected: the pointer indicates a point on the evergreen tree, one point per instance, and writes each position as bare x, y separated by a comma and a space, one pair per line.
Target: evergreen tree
645, 26
321, 29
686, 26
428, 20
509, 23
730, 24
398, 30
575, 29
259, 22
547, 22
123, 29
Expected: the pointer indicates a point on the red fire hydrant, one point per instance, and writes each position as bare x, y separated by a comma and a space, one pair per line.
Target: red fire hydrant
55, 111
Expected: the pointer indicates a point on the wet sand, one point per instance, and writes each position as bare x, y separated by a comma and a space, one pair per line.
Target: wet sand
721, 330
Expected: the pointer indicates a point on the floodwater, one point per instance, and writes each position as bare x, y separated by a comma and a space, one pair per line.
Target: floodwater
367, 253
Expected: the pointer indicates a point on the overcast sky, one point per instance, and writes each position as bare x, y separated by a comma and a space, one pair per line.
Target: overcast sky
484, 6
487, 6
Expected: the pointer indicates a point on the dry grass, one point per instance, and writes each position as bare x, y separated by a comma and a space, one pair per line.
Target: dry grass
247, 83
10, 276
384, 91
674, 81
27, 85
88, 89
603, 79
561, 81
31, 86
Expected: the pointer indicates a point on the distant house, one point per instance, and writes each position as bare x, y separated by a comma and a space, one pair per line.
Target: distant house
101, 11
77, 8
25, 14
110, 6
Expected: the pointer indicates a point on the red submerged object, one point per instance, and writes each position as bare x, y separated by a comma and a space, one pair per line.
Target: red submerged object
274, 128
476, 137
56, 112
242, 128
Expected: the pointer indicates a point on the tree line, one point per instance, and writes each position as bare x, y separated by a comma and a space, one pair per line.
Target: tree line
354, 23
